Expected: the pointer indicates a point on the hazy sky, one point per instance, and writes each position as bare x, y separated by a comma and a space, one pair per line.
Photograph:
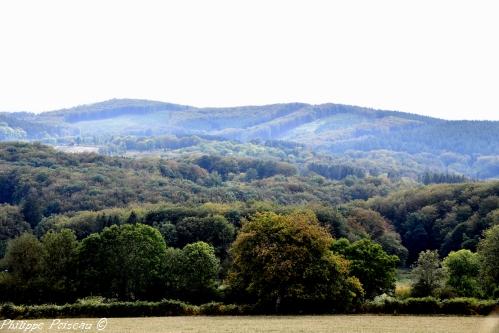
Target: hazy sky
439, 58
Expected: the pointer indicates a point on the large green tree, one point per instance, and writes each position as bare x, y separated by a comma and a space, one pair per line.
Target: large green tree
24, 267
31, 207
191, 273
283, 262
375, 268
59, 264
462, 268
122, 262
488, 254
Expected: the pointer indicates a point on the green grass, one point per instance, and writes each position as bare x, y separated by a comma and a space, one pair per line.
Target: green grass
293, 324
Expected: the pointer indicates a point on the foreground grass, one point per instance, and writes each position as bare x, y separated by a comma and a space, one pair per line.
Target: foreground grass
290, 324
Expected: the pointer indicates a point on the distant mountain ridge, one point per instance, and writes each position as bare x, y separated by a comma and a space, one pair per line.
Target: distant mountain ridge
112, 108
328, 128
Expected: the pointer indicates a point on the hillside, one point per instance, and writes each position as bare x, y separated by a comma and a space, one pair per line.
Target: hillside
44, 189
62, 182
39, 186
443, 217
464, 147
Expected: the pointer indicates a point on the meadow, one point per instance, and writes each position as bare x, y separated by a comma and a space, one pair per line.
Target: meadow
288, 324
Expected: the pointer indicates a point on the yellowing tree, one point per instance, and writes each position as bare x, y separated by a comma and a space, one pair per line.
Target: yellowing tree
284, 263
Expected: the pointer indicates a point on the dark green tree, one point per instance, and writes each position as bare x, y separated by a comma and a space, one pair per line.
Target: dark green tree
375, 268
214, 230
191, 273
122, 262
59, 264
24, 260
133, 218
12, 224
488, 254
31, 208
168, 231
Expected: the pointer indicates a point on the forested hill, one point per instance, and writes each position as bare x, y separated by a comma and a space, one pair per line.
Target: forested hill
43, 189
466, 147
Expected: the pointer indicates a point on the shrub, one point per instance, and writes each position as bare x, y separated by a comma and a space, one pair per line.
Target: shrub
382, 304
220, 309
468, 306
423, 305
430, 305
89, 309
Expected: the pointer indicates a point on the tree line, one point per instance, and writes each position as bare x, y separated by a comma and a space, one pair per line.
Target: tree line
278, 262
134, 262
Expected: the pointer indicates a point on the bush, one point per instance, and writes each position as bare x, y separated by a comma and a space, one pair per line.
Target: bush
8, 311
430, 305
423, 305
89, 309
220, 309
97, 308
382, 304
468, 306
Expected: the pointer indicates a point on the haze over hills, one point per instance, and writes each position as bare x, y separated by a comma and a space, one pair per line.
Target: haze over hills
356, 133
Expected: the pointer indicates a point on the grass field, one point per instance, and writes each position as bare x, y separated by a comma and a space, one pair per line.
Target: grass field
284, 324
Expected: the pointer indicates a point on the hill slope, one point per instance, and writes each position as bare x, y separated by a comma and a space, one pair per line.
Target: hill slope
467, 147
43, 189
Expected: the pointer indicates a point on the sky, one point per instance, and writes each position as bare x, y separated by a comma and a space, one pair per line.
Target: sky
438, 58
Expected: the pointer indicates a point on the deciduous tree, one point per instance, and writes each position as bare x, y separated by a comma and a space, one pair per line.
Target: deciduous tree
488, 254
428, 274
283, 262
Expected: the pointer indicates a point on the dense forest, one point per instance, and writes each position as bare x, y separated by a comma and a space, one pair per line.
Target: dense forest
272, 230
381, 141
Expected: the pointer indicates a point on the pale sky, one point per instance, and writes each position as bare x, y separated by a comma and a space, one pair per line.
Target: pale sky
439, 58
